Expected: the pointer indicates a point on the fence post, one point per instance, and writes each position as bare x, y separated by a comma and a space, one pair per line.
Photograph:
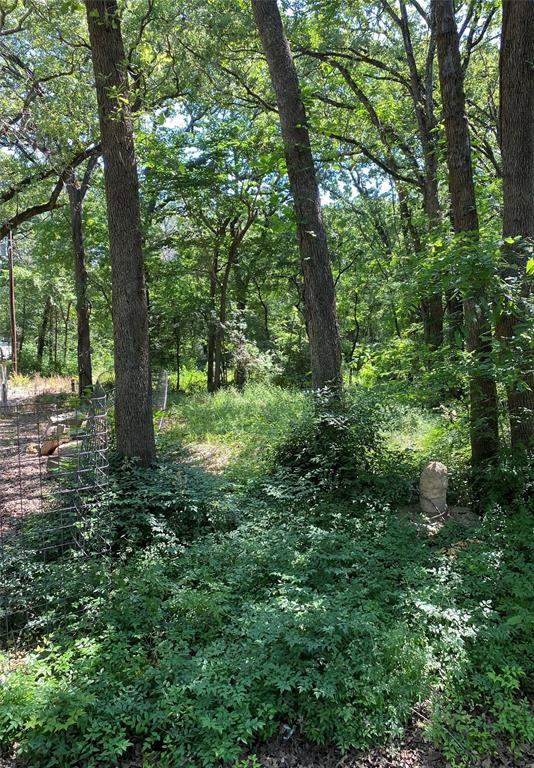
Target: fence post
3, 377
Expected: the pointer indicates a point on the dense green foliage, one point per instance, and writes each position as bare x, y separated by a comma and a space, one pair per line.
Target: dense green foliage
212, 167
271, 575
225, 608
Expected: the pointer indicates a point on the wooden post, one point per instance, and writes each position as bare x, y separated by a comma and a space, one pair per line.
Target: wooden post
12, 311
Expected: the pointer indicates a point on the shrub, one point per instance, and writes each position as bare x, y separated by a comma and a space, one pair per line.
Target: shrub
165, 503
338, 443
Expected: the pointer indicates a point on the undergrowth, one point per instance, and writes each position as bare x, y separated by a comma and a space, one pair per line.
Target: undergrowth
300, 600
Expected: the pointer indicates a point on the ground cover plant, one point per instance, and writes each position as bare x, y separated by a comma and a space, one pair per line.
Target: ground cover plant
298, 600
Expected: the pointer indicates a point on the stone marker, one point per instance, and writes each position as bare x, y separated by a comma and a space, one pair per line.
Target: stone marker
433, 488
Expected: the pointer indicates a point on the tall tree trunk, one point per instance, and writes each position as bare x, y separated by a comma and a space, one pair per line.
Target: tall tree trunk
517, 149
265, 309
12, 306
66, 318
212, 322
22, 335
355, 337
431, 307
133, 400
483, 393
455, 322
240, 371
325, 346
432, 315
221, 320
177, 331
56, 324
421, 91
76, 191
41, 339
219, 343
212, 330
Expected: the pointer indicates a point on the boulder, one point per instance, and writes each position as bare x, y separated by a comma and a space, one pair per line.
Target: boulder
66, 453
67, 419
433, 488
54, 436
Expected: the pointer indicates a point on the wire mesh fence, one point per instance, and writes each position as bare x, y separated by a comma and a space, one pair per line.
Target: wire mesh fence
53, 461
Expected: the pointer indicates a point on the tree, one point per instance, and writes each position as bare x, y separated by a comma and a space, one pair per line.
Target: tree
319, 293
77, 190
482, 387
133, 407
517, 150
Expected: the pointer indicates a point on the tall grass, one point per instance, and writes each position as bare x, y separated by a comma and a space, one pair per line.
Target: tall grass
249, 423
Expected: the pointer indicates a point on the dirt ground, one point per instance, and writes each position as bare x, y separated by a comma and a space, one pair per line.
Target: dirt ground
22, 481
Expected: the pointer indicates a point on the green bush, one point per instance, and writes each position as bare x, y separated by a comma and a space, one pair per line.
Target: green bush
161, 503
337, 443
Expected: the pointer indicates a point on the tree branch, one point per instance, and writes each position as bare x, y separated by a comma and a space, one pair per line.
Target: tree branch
52, 202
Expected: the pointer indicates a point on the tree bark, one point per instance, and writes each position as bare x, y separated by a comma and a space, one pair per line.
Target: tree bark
212, 322
241, 290
517, 150
41, 339
12, 305
66, 318
432, 316
22, 335
76, 192
421, 92
221, 320
133, 407
56, 331
320, 302
483, 394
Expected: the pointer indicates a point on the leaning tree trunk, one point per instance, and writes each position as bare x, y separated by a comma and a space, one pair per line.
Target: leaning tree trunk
133, 408
517, 149
320, 301
483, 392
76, 192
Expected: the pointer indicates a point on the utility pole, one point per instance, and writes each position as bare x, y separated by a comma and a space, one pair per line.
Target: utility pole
12, 311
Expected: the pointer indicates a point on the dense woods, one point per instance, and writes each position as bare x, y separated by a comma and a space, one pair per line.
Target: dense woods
220, 256
318, 217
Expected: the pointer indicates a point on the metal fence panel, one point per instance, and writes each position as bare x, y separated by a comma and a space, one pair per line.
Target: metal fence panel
53, 460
